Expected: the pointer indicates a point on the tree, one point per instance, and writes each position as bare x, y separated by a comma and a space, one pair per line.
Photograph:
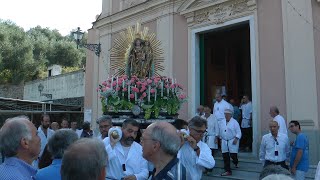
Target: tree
16, 62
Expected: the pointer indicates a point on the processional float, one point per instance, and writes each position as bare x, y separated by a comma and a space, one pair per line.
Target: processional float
137, 88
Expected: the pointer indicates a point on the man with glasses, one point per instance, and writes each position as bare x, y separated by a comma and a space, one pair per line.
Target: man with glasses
299, 162
196, 155
125, 155
105, 123
161, 143
229, 133
274, 148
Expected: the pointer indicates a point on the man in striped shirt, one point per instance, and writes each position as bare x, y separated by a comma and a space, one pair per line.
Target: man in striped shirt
20, 143
160, 144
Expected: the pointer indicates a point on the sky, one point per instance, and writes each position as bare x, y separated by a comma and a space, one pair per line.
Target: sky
63, 15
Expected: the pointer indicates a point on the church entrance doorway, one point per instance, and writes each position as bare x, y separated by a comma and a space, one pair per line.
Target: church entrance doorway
225, 65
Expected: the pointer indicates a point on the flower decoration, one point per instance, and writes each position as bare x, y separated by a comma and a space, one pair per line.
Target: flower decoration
153, 94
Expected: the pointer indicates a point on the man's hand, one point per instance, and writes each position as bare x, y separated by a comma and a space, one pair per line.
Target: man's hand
235, 141
192, 141
113, 142
131, 177
216, 140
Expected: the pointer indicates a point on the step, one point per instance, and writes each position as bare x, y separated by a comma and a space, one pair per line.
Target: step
249, 168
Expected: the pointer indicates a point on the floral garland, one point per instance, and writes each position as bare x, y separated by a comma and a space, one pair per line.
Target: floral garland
153, 94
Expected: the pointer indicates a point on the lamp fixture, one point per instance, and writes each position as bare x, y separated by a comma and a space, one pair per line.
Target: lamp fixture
78, 35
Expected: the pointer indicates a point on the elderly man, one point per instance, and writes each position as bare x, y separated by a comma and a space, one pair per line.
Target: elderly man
84, 159
246, 123
195, 155
275, 114
229, 133
274, 148
57, 144
160, 144
105, 123
299, 161
211, 129
200, 111
20, 144
125, 155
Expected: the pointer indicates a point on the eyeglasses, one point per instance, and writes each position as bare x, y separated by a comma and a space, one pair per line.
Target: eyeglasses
145, 139
199, 131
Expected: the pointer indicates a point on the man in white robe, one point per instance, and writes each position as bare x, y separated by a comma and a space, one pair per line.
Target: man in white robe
211, 129
125, 155
229, 133
275, 114
195, 155
246, 123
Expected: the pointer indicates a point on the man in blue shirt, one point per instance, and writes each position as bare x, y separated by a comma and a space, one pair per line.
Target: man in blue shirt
20, 145
57, 144
299, 161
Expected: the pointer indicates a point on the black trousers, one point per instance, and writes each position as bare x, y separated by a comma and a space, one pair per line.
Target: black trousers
246, 137
226, 159
282, 164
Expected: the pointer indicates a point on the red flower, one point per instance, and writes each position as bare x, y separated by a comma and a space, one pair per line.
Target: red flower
131, 96
134, 89
124, 89
118, 89
152, 91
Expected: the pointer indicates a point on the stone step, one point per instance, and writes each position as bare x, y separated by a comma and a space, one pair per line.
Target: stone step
249, 168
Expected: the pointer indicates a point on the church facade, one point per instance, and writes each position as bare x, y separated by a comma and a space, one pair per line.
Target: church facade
267, 49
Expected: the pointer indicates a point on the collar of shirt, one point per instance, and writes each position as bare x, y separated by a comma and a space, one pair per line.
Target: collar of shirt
163, 173
28, 169
56, 161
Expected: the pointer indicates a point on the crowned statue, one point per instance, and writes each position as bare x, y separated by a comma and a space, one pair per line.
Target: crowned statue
140, 58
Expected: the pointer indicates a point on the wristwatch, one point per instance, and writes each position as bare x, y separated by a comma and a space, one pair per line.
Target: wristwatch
196, 149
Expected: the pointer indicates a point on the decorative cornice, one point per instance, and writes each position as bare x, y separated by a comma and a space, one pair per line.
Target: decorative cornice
217, 11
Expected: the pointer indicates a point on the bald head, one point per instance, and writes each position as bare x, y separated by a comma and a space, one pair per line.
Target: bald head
166, 134
84, 159
274, 111
23, 142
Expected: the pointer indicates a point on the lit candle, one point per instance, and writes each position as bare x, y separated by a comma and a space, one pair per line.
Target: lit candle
135, 95
129, 93
122, 89
111, 82
149, 93
161, 89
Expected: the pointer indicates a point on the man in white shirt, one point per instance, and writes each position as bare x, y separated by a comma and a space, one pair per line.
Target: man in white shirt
246, 123
105, 123
229, 133
44, 132
200, 111
275, 147
211, 129
195, 155
219, 106
125, 155
275, 114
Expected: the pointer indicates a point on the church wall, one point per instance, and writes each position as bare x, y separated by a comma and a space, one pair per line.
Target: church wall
272, 76
316, 22
180, 58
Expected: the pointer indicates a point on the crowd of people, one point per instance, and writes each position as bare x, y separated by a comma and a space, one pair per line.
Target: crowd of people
183, 150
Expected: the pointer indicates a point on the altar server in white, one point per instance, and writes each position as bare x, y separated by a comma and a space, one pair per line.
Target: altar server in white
211, 129
195, 155
125, 155
230, 134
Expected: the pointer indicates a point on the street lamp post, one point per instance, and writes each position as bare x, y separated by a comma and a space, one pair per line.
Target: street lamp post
77, 35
